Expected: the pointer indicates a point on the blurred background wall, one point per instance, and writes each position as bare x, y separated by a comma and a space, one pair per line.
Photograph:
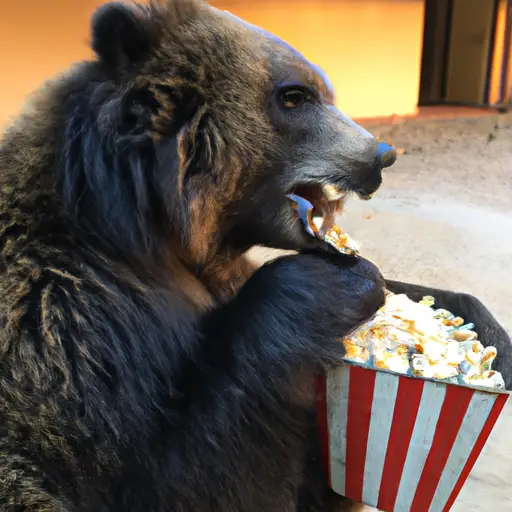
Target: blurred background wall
370, 48
385, 57
38, 38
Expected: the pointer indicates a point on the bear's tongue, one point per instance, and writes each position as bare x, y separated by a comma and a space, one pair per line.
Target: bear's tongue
323, 216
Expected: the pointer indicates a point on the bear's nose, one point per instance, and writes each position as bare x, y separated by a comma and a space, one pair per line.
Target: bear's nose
386, 155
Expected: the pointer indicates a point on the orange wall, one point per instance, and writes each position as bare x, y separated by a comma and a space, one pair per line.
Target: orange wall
38, 38
498, 56
370, 48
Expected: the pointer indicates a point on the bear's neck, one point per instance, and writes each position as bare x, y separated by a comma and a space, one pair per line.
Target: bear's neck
225, 275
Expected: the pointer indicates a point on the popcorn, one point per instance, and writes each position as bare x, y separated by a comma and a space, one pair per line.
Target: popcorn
412, 338
338, 239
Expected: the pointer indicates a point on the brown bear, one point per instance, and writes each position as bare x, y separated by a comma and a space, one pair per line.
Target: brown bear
145, 365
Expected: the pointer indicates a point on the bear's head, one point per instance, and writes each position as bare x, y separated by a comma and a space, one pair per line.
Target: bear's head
192, 127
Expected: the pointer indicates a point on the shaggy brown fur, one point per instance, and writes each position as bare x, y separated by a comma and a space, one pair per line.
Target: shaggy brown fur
140, 368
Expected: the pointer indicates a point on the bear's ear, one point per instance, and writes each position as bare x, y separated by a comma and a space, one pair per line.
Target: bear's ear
121, 34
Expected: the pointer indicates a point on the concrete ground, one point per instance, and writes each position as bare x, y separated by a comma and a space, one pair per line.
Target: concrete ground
443, 218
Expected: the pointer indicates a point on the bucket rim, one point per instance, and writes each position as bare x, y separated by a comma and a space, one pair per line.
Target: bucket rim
492, 391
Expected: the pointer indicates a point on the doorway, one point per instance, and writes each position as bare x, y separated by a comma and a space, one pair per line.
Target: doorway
459, 52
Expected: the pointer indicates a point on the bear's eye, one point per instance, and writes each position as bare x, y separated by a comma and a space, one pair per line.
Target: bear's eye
294, 97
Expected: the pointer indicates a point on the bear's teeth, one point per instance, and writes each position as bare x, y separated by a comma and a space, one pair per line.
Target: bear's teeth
332, 192
318, 222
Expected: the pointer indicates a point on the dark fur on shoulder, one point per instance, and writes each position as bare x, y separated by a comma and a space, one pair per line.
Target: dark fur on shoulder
145, 366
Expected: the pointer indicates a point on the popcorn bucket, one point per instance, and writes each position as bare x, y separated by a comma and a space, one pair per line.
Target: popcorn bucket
401, 443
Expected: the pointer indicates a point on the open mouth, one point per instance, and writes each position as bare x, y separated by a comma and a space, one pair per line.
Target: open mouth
317, 207
328, 202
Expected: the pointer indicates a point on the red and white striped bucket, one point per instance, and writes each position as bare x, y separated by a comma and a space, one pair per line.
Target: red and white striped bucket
400, 443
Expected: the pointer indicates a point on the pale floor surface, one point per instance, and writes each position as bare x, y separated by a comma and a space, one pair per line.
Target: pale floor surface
444, 218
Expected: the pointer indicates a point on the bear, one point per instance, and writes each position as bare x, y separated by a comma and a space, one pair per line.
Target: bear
146, 364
